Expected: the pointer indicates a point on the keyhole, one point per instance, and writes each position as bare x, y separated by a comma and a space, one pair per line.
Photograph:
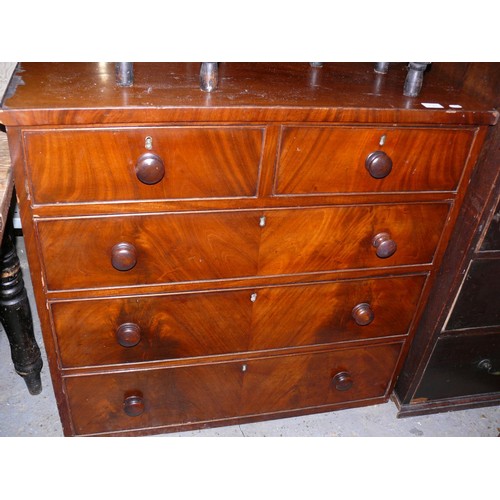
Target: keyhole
148, 142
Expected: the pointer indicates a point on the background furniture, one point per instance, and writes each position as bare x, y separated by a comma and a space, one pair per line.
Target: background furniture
454, 362
262, 250
15, 312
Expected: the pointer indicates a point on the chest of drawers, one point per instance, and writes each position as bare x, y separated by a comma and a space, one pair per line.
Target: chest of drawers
454, 361
258, 252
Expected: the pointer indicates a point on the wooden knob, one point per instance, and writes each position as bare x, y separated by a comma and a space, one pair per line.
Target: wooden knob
363, 314
128, 334
385, 245
342, 381
379, 164
133, 406
123, 256
149, 168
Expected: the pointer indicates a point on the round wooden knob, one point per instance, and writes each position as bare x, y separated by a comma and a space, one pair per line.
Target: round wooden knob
385, 245
363, 314
342, 381
133, 406
149, 168
123, 256
379, 164
128, 334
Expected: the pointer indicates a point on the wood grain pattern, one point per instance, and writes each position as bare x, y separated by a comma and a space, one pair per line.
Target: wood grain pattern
315, 160
322, 313
81, 165
321, 239
204, 324
231, 217
170, 248
86, 93
204, 393
211, 246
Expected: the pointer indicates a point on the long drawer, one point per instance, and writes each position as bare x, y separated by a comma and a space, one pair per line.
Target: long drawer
85, 165
92, 252
321, 160
147, 328
175, 396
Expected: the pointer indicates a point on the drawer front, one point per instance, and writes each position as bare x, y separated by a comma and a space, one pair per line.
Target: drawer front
203, 393
85, 252
322, 239
84, 165
145, 328
462, 365
315, 160
82, 253
478, 301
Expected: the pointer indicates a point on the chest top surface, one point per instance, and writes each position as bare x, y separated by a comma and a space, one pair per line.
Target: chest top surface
87, 93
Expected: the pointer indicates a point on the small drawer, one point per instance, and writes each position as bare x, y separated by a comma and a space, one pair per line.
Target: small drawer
462, 365
148, 328
198, 394
323, 160
92, 252
85, 165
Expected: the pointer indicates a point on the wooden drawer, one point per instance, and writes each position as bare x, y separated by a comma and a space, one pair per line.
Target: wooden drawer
147, 328
169, 248
462, 365
84, 165
478, 302
203, 393
316, 160
322, 239
78, 252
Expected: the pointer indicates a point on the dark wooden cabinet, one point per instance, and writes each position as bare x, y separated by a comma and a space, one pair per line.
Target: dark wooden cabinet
261, 251
454, 361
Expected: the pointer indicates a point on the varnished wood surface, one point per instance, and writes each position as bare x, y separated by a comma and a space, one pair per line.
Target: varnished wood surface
315, 160
88, 165
203, 324
464, 248
321, 239
216, 245
225, 162
245, 215
78, 93
202, 393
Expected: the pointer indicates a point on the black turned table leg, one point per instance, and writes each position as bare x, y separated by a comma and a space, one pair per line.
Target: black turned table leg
15, 316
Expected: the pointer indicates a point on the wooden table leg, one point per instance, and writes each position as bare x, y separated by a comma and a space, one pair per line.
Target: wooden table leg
15, 316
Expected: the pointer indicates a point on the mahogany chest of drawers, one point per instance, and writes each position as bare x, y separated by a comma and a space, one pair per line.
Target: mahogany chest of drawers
261, 251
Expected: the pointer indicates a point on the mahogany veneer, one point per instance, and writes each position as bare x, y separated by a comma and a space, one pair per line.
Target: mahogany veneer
260, 251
